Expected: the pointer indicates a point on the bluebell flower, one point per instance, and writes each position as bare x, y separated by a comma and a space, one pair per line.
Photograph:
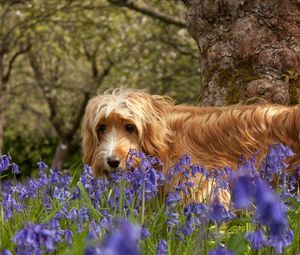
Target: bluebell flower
187, 229
172, 219
68, 236
144, 233
15, 169
84, 213
274, 160
62, 194
5, 162
107, 222
220, 250
256, 239
123, 240
219, 213
94, 250
35, 238
170, 175
272, 213
200, 209
280, 241
162, 248
94, 229
184, 187
10, 205
242, 191
72, 214
196, 169
42, 166
172, 199
6, 252
54, 223
270, 210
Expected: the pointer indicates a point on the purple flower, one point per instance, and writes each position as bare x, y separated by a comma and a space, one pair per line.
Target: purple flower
172, 199
172, 219
5, 162
62, 194
34, 238
270, 210
6, 252
124, 240
162, 248
197, 169
220, 250
187, 229
274, 161
94, 230
84, 213
256, 239
68, 236
219, 214
272, 213
144, 233
280, 241
42, 166
242, 191
9, 205
15, 169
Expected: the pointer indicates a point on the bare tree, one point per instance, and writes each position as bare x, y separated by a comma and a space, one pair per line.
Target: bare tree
248, 49
11, 48
18, 18
65, 128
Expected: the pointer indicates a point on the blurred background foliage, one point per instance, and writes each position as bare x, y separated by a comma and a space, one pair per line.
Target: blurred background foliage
60, 53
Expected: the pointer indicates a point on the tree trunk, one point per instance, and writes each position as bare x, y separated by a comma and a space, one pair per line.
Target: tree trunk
1, 127
61, 153
248, 49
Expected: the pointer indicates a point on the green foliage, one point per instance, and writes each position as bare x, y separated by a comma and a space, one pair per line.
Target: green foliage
151, 215
73, 43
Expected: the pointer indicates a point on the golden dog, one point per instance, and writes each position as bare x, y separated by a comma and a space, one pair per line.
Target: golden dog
125, 119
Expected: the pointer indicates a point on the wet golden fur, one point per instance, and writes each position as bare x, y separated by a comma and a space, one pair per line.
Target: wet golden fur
213, 136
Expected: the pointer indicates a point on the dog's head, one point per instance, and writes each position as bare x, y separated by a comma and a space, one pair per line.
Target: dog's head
118, 121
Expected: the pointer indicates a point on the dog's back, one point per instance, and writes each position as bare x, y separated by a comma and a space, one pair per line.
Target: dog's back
218, 136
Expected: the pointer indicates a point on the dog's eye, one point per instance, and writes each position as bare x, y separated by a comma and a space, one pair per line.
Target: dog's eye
130, 128
101, 129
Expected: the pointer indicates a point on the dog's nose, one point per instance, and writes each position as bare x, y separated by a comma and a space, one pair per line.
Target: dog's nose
113, 161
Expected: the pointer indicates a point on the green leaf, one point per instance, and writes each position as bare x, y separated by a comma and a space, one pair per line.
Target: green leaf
237, 243
96, 214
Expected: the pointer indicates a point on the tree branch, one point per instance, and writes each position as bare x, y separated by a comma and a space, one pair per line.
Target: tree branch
179, 48
51, 100
186, 2
6, 76
78, 118
150, 12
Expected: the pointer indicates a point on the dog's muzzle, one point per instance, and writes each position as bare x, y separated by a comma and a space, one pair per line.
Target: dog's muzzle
113, 161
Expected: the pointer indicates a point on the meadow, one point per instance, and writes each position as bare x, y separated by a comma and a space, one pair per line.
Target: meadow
128, 213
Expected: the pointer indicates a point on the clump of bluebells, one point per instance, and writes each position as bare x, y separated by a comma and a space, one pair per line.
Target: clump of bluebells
98, 212
122, 239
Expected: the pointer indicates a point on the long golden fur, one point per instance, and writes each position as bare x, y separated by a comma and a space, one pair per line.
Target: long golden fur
212, 136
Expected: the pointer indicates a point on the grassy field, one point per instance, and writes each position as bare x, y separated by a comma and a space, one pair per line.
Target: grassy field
60, 213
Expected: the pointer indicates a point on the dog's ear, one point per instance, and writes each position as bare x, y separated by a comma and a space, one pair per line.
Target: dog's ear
89, 141
156, 135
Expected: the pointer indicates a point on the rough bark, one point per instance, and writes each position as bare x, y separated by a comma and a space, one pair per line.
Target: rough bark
1, 127
249, 49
